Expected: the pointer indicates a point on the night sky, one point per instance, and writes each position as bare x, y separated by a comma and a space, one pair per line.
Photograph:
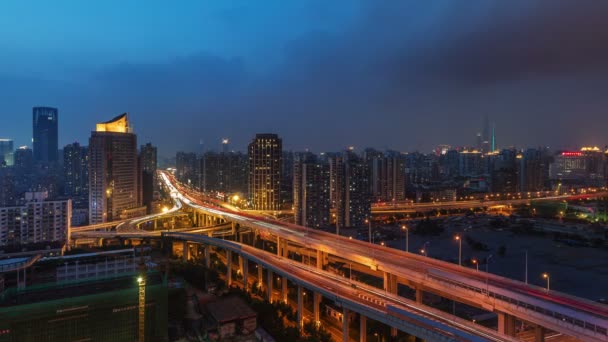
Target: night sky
406, 75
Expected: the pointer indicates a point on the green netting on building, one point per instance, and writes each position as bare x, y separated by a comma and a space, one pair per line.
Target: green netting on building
103, 310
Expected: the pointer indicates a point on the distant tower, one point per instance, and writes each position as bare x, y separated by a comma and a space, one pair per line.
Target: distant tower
45, 141
485, 136
225, 145
493, 137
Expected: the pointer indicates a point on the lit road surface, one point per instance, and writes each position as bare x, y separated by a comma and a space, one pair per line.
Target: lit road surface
371, 299
545, 308
400, 207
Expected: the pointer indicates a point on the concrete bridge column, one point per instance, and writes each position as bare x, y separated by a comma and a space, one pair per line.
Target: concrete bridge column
284, 292
260, 275
539, 334
155, 224
269, 285
233, 228
186, 251
316, 310
362, 328
390, 283
229, 267
418, 295
279, 246
245, 270
300, 308
345, 317
321, 259
208, 256
506, 324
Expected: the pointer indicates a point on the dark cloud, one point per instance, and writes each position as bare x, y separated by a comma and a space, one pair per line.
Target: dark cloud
403, 74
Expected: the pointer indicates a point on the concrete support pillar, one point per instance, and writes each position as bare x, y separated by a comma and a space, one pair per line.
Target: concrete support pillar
390, 283
362, 328
315, 308
506, 324
245, 273
345, 330
208, 256
279, 246
260, 275
418, 295
269, 285
186, 251
284, 292
155, 224
241, 264
229, 268
539, 334
321, 259
300, 308
393, 332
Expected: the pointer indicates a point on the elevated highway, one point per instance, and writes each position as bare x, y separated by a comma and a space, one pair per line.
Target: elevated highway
510, 299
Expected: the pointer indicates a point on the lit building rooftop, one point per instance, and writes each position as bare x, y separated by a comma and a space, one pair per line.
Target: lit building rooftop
119, 124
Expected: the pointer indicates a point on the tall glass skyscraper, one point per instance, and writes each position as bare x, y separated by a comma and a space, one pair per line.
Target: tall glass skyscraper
6, 152
45, 138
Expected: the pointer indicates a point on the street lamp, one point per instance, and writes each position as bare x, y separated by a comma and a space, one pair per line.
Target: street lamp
546, 276
476, 263
457, 238
407, 231
371, 237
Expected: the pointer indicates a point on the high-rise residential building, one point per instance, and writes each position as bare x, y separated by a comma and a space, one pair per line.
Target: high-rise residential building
114, 191
23, 160
349, 175
6, 152
224, 172
287, 178
148, 159
7, 187
570, 166
76, 170
311, 188
387, 175
187, 168
503, 170
470, 163
45, 139
265, 160
38, 220
531, 170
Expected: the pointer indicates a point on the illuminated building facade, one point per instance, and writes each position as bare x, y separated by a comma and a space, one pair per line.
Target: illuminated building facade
76, 170
38, 220
114, 180
350, 186
265, 160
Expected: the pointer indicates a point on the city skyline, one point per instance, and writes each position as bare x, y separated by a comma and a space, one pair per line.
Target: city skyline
357, 64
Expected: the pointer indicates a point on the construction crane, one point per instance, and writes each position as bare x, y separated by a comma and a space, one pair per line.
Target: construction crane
141, 281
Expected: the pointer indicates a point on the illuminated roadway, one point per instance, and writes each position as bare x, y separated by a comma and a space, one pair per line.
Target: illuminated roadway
570, 315
357, 297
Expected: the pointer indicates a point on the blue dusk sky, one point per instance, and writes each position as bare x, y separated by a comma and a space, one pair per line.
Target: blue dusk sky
406, 75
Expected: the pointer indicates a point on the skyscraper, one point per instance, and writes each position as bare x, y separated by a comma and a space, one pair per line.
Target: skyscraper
45, 138
148, 159
350, 177
311, 191
265, 160
387, 175
76, 171
6, 152
114, 179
